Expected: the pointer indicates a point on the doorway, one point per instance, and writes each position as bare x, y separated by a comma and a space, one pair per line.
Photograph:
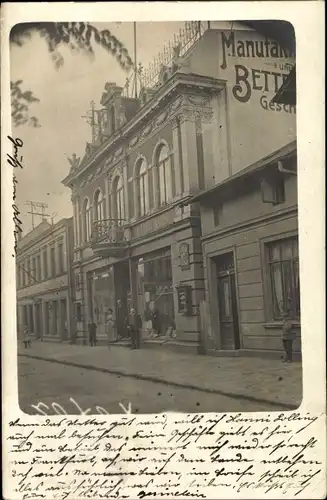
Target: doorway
227, 302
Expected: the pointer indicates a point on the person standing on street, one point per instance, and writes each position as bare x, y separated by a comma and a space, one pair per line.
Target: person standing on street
288, 336
134, 326
92, 333
110, 327
26, 339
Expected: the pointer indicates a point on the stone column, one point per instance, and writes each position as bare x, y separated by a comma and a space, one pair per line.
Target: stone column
189, 151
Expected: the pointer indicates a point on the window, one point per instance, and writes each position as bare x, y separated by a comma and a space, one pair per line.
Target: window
165, 177
18, 277
38, 268
284, 276
23, 274
98, 205
53, 261
45, 264
87, 220
33, 270
119, 198
142, 188
217, 211
28, 269
61, 258
273, 189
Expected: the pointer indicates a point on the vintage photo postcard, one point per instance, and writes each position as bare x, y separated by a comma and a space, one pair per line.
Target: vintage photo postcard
163, 328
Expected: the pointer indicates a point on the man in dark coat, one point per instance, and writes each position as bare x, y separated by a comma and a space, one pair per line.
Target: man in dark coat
92, 333
134, 326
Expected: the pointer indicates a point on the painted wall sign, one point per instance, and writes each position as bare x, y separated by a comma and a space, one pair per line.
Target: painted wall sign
276, 64
261, 49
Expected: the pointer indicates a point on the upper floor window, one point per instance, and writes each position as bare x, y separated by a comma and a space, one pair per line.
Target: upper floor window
87, 220
38, 268
53, 261
61, 258
142, 179
165, 178
45, 264
98, 205
283, 258
118, 194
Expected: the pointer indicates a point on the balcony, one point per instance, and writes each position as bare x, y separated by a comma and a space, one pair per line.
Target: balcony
109, 238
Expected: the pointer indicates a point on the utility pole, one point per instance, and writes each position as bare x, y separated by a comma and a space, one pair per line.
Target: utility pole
33, 207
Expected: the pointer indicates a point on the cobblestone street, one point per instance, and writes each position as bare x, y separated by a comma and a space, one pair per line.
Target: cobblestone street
153, 380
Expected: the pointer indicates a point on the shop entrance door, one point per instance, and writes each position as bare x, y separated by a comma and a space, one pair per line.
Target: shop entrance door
122, 296
227, 303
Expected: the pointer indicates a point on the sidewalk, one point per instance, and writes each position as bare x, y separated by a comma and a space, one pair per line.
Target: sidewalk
261, 380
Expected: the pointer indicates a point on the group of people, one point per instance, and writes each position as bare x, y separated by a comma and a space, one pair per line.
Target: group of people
119, 329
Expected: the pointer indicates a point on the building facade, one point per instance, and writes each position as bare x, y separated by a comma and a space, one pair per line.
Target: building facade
44, 281
137, 236
251, 256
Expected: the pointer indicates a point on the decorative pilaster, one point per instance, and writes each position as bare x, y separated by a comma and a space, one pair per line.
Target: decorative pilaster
178, 166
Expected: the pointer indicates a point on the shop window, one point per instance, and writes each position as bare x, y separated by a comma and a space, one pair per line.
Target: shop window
283, 260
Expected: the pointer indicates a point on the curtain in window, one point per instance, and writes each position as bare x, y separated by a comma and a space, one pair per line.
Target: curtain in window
284, 273
142, 180
165, 188
99, 205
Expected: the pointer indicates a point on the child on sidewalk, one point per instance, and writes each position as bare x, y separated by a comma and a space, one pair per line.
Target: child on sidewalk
26, 339
288, 336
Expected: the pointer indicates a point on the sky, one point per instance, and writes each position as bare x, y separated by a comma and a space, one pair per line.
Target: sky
65, 96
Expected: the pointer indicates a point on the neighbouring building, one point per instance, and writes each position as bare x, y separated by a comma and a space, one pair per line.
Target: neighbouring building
44, 281
204, 116
251, 256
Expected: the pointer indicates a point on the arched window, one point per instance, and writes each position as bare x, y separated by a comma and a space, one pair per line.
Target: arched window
164, 176
142, 187
118, 192
98, 205
87, 219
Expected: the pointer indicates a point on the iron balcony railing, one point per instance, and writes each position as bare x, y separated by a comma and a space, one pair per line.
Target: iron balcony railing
111, 231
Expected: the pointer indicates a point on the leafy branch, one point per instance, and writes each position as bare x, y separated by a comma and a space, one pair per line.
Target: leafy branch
79, 37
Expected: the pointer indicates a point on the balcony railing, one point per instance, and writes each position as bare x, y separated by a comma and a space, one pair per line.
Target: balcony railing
109, 231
